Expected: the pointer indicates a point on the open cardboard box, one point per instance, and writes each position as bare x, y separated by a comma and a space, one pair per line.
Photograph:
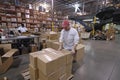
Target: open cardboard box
6, 60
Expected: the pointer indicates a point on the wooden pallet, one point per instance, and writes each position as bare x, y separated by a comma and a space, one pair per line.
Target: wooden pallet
71, 77
26, 74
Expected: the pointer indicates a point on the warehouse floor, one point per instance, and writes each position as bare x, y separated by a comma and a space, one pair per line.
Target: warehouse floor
101, 62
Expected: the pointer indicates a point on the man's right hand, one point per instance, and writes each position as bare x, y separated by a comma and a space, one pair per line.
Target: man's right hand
59, 49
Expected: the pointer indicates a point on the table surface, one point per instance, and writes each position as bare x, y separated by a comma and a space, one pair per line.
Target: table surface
18, 37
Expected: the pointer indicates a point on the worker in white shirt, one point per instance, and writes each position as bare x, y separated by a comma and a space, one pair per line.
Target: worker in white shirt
22, 28
69, 38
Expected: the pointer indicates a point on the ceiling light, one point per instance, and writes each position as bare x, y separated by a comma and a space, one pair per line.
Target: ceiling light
76, 6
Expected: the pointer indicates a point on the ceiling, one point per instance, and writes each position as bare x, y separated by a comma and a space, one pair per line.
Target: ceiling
90, 7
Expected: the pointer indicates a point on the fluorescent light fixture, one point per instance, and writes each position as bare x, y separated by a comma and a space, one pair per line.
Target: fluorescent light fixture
76, 6
88, 20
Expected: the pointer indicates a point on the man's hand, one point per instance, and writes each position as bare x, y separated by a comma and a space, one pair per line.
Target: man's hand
73, 51
59, 49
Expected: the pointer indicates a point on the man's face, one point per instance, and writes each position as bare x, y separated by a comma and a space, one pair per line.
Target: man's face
66, 27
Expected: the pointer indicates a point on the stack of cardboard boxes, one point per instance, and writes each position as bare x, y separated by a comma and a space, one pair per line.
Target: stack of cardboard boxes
79, 52
50, 64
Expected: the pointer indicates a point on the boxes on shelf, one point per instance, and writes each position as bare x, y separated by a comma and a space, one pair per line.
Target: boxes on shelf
9, 24
22, 10
12, 7
27, 20
27, 16
27, 11
4, 24
3, 18
14, 24
13, 19
19, 19
18, 14
8, 19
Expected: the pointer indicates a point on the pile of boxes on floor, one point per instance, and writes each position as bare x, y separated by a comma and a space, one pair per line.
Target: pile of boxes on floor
54, 44
50, 64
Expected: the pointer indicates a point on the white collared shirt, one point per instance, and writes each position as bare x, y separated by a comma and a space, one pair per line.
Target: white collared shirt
69, 38
22, 29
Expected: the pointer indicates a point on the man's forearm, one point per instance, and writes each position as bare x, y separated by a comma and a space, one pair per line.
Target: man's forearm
61, 46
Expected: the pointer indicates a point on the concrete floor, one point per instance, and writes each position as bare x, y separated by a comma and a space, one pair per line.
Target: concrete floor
101, 62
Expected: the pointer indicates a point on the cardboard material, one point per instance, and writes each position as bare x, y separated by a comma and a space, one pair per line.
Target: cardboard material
10, 53
62, 70
63, 77
80, 52
55, 45
4, 67
6, 47
33, 73
47, 63
68, 70
61, 58
69, 56
33, 58
52, 76
33, 47
50, 42
52, 36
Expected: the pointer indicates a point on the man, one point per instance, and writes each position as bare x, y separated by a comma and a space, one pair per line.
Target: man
22, 28
69, 37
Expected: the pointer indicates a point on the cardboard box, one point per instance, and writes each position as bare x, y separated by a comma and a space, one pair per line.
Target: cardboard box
69, 56
55, 45
52, 36
62, 70
33, 73
33, 58
4, 67
6, 47
47, 63
33, 47
52, 76
68, 70
80, 52
63, 77
61, 58
50, 42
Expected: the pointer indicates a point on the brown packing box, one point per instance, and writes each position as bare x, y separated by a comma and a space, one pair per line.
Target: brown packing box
4, 67
50, 42
47, 63
80, 52
62, 71
33, 58
69, 56
52, 76
33, 47
52, 36
69, 70
63, 77
55, 45
33, 73
6, 47
61, 60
